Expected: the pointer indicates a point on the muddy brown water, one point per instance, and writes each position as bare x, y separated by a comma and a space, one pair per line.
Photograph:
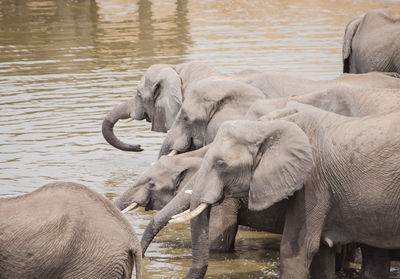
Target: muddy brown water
65, 64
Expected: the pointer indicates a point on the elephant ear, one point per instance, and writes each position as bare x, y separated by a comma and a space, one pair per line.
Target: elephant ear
349, 33
282, 163
167, 98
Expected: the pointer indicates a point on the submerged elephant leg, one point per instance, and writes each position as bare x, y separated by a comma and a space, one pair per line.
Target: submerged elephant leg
223, 225
323, 263
375, 263
302, 232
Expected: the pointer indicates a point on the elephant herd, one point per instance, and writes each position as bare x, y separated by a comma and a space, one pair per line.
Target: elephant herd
315, 161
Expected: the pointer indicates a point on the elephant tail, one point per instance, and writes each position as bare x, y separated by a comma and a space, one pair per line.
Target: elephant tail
122, 111
135, 259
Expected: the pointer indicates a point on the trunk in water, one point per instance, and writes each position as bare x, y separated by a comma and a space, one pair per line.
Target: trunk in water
122, 111
199, 228
178, 204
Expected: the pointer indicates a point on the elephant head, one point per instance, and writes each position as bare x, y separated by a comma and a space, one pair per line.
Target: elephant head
158, 100
265, 161
207, 104
161, 182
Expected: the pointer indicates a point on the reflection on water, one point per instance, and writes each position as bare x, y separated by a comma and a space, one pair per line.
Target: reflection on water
65, 63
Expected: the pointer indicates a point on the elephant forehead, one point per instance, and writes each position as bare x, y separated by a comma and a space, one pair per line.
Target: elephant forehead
230, 150
242, 131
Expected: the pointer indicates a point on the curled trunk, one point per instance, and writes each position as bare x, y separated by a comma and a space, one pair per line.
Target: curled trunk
122, 111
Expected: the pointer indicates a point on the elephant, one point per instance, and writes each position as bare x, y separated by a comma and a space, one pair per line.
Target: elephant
340, 175
159, 96
66, 230
371, 43
210, 102
166, 177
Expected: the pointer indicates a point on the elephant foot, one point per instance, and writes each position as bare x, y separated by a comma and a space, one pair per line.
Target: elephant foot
197, 273
323, 263
375, 263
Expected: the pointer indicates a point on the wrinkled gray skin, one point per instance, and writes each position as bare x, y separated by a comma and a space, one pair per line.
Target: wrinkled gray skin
276, 85
159, 96
371, 43
209, 103
341, 99
321, 161
163, 180
65, 230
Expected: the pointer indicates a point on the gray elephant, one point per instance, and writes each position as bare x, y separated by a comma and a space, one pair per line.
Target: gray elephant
65, 230
334, 170
371, 43
209, 103
166, 177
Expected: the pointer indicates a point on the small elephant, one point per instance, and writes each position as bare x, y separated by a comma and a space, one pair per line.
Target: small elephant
335, 171
371, 43
65, 230
208, 103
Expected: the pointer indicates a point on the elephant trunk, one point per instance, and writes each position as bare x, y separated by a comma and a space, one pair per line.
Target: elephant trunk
199, 228
137, 194
166, 146
179, 203
122, 111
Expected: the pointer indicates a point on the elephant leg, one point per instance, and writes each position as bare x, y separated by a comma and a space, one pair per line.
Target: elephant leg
304, 222
323, 263
375, 263
223, 225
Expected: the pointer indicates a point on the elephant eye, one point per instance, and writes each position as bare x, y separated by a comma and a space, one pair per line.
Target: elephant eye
185, 117
151, 184
221, 164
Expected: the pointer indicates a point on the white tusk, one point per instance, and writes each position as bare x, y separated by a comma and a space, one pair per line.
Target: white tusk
129, 208
173, 153
189, 192
126, 120
181, 214
183, 218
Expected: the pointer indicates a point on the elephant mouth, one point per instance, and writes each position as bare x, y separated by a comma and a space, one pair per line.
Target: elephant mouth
192, 146
146, 116
149, 205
